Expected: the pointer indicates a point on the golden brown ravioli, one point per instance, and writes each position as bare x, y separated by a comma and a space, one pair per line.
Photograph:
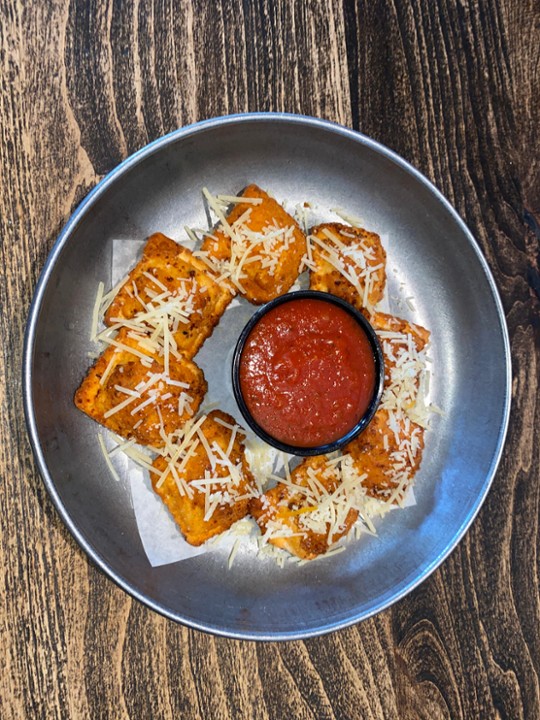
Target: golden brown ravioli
154, 404
390, 449
265, 244
170, 280
359, 253
282, 510
233, 487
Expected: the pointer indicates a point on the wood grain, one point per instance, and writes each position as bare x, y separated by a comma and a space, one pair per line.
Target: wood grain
452, 85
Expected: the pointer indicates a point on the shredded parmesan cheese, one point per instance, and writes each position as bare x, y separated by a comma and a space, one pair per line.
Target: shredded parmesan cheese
111, 467
164, 310
262, 250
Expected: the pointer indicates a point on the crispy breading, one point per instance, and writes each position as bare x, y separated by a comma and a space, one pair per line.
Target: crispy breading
152, 401
183, 289
380, 453
281, 512
359, 252
183, 495
252, 228
390, 323
389, 451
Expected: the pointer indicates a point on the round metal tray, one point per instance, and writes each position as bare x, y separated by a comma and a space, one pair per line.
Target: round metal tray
431, 257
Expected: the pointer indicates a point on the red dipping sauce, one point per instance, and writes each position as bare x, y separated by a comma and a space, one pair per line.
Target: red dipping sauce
307, 372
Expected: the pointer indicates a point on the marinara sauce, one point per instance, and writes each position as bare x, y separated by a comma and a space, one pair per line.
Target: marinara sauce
307, 372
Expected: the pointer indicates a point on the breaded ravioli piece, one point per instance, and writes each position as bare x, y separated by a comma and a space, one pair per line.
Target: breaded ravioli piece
129, 392
306, 524
206, 484
170, 283
258, 248
398, 337
349, 262
389, 451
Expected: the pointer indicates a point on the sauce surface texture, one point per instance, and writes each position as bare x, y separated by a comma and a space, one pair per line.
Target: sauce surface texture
307, 372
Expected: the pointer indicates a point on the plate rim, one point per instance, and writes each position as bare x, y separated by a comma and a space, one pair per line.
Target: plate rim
70, 226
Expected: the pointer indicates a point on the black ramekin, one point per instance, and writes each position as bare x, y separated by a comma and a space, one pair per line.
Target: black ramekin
379, 373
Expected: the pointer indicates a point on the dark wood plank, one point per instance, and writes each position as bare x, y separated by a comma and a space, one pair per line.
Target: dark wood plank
452, 85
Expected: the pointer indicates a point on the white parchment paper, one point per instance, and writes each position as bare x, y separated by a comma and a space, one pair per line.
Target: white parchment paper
161, 538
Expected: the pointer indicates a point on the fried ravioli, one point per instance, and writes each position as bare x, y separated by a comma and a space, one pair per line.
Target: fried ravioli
207, 484
305, 523
385, 322
128, 391
389, 451
349, 262
397, 337
259, 247
171, 285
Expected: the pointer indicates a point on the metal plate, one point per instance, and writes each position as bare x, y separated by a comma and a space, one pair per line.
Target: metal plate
437, 261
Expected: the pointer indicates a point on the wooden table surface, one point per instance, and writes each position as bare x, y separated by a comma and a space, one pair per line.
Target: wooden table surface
452, 86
